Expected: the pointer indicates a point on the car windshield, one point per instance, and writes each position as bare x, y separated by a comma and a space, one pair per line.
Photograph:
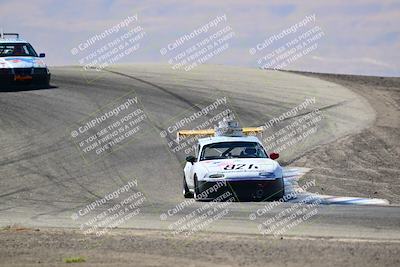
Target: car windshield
228, 150
17, 49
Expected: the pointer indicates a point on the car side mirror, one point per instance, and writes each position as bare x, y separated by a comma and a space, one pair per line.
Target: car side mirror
42, 55
274, 155
190, 159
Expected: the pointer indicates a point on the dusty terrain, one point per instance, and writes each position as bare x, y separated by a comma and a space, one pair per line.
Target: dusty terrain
50, 247
366, 164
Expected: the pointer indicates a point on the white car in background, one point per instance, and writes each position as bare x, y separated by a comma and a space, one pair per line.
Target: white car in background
234, 162
19, 62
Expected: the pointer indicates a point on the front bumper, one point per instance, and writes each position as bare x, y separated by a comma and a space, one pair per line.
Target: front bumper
242, 190
24, 76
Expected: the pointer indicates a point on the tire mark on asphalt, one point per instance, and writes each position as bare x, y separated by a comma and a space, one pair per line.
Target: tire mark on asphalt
165, 90
25, 189
177, 96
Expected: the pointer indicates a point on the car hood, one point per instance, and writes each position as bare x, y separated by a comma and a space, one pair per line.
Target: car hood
242, 167
21, 62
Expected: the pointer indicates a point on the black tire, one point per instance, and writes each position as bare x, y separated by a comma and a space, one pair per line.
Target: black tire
279, 194
196, 189
186, 192
46, 82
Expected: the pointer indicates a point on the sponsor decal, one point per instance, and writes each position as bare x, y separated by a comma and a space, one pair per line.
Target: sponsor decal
18, 60
23, 78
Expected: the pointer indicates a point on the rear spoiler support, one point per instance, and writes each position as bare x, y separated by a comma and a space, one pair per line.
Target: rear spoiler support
211, 132
3, 34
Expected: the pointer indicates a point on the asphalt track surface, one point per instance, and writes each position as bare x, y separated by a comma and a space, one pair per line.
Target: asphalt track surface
44, 179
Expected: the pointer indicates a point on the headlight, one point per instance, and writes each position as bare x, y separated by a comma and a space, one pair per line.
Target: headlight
267, 174
217, 175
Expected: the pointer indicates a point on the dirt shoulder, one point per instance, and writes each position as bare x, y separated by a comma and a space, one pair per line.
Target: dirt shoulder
53, 247
365, 164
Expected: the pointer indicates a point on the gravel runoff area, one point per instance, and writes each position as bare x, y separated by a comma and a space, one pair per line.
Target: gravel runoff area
364, 164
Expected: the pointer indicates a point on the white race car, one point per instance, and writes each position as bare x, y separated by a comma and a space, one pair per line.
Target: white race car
19, 62
232, 161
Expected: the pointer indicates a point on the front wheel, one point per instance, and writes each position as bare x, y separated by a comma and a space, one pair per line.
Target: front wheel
186, 192
196, 188
46, 81
280, 193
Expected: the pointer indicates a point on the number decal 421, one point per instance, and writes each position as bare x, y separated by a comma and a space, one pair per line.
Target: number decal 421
240, 167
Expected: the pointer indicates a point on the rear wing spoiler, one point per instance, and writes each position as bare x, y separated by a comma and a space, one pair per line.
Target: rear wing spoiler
4, 34
211, 132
